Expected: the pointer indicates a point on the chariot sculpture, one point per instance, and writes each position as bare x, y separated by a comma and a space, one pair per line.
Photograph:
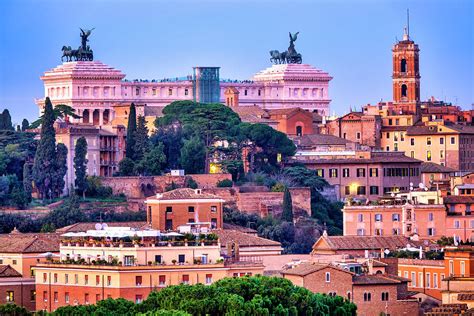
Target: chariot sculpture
290, 56
83, 53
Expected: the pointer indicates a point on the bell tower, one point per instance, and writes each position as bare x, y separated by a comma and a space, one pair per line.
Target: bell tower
406, 75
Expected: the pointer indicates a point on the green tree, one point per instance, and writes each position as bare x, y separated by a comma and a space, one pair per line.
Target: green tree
25, 125
152, 162
131, 129
60, 111
19, 197
67, 214
287, 214
44, 163
141, 139
80, 165
6, 121
27, 181
126, 167
61, 169
13, 310
193, 156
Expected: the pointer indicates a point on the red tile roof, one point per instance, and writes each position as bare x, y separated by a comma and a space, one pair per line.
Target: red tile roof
306, 268
458, 199
243, 239
377, 279
431, 167
6, 271
185, 193
29, 243
366, 242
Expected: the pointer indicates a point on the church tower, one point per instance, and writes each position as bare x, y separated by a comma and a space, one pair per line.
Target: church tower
406, 75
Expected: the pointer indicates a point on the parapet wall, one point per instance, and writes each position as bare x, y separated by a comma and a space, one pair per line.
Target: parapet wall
142, 187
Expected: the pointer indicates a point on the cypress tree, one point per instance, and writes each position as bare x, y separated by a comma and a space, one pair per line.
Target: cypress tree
141, 139
61, 169
131, 128
287, 214
27, 180
44, 165
80, 165
6, 121
24, 125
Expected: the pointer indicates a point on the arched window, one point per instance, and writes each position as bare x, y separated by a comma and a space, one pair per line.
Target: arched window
85, 116
299, 130
404, 90
403, 65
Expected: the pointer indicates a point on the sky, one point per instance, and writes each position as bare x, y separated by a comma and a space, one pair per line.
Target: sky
351, 39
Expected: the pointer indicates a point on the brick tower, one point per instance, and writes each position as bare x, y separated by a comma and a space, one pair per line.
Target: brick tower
406, 76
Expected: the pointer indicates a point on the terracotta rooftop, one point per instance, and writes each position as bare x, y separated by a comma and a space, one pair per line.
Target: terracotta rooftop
377, 279
455, 199
6, 271
366, 242
29, 243
306, 268
435, 129
287, 111
184, 193
243, 239
431, 167
374, 159
320, 139
82, 227
240, 228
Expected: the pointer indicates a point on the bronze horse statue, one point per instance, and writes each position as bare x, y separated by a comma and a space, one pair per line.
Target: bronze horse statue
277, 57
69, 53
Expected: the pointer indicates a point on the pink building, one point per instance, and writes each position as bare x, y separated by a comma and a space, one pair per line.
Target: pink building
92, 88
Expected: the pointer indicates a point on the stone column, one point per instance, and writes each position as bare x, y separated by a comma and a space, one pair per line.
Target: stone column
91, 116
101, 117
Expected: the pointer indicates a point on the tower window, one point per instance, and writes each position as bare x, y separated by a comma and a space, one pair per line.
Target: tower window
403, 65
299, 131
404, 90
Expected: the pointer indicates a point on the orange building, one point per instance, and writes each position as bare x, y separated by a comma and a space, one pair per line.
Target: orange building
293, 121
121, 262
427, 221
169, 210
15, 289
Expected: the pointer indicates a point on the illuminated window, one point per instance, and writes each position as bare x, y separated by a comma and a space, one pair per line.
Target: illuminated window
208, 278
345, 173
428, 155
332, 173
10, 296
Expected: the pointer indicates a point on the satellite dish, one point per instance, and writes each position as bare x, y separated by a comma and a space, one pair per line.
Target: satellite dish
411, 184
98, 226
104, 225
387, 251
421, 185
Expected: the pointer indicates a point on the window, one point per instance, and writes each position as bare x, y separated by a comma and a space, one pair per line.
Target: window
97, 279
45, 296
361, 190
463, 268
214, 209
208, 278
344, 135
10, 296
395, 217
404, 90
328, 277
153, 91
441, 141
390, 122
347, 190
109, 280
428, 155
374, 172
345, 173
128, 260
428, 280
420, 279
169, 224
213, 222
137, 91
186, 91
14, 261
332, 173
412, 141
169, 209
138, 299
86, 298
245, 92
405, 274
138, 280
55, 278
360, 232
320, 173
360, 218
374, 190
191, 209
395, 231
378, 217
378, 232
97, 297
431, 231
186, 279
413, 279
367, 297
45, 277
162, 280
457, 224
453, 140
86, 279
441, 154
55, 296
170, 92
181, 258
332, 294
412, 154
66, 297
358, 135
403, 65
435, 280
76, 279
299, 130
397, 122
158, 258
428, 141
384, 296
259, 92
360, 172
388, 135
